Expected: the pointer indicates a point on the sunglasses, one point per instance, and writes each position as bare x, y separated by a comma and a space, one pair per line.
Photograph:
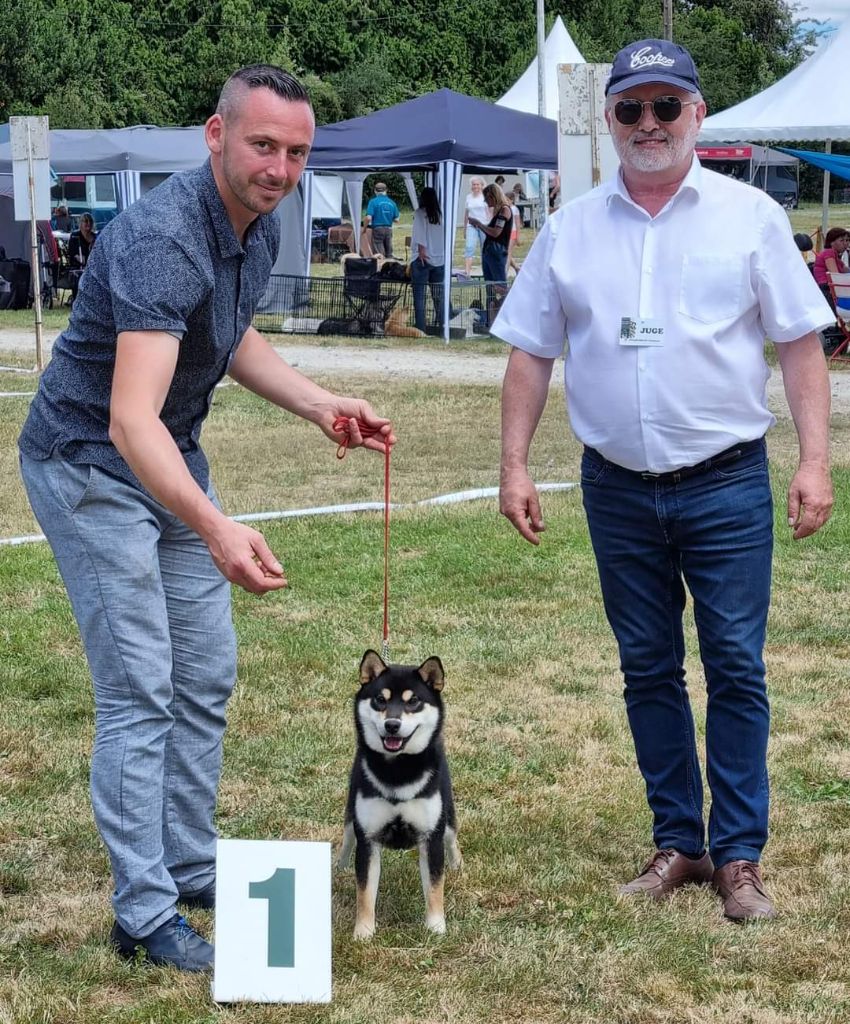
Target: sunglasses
664, 109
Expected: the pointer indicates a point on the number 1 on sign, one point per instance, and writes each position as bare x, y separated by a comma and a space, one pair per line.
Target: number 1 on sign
279, 890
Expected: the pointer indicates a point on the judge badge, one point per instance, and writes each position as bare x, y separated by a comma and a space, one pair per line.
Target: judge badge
641, 332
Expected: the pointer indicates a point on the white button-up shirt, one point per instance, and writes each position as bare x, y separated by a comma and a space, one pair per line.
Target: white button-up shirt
717, 267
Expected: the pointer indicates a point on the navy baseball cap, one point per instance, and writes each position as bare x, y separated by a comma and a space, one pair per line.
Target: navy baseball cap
652, 60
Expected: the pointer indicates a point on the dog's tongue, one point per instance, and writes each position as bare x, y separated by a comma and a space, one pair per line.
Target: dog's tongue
392, 742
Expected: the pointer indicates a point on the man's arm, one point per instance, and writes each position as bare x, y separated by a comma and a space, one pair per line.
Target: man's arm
144, 368
257, 367
806, 381
524, 393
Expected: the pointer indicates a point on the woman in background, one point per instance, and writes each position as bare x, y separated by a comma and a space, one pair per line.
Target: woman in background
494, 252
476, 208
828, 260
428, 264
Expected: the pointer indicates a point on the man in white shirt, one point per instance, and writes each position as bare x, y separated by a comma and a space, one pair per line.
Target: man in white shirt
665, 380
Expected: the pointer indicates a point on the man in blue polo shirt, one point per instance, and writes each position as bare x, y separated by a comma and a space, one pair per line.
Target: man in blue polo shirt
112, 463
381, 214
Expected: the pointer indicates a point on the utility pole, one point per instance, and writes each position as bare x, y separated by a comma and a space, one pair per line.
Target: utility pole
668, 19
542, 176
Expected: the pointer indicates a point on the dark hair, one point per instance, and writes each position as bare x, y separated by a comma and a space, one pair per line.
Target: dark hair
804, 242
429, 202
834, 234
259, 76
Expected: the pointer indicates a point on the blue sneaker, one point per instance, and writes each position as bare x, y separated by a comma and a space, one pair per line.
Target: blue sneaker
173, 944
203, 899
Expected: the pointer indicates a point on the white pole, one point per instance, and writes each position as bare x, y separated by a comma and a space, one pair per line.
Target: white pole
825, 205
543, 177
35, 261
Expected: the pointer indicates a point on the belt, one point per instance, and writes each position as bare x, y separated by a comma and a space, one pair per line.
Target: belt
737, 451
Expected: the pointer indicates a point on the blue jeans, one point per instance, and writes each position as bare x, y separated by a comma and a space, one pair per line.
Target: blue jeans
421, 274
714, 532
494, 261
154, 614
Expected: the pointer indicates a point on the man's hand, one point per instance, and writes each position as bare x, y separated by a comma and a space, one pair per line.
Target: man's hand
356, 411
518, 502
809, 499
243, 557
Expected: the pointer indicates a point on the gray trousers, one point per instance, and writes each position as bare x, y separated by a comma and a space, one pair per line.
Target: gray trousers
154, 615
382, 241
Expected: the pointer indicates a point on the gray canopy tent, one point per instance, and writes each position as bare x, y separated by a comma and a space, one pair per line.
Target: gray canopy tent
130, 153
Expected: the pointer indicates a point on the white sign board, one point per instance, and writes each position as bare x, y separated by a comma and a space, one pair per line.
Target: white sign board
272, 922
30, 137
586, 155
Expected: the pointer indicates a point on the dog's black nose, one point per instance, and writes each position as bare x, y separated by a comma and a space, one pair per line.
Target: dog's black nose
392, 725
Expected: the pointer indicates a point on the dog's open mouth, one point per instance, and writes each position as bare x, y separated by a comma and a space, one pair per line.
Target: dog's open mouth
393, 744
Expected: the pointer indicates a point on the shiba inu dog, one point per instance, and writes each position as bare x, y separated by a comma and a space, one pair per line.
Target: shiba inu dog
400, 793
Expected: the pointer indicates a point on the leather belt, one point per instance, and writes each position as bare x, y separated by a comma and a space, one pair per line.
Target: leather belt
732, 454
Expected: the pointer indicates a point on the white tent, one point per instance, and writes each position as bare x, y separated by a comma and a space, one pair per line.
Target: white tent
808, 104
558, 49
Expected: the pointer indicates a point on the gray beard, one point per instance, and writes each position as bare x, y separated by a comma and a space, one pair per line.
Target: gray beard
634, 157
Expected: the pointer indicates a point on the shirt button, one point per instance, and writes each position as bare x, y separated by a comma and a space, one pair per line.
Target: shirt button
644, 418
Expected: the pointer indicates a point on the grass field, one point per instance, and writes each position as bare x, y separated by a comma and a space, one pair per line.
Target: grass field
551, 810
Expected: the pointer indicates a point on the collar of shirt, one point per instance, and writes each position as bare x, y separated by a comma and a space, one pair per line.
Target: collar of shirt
692, 183
228, 243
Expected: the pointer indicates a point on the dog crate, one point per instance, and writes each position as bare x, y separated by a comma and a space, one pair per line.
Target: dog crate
365, 304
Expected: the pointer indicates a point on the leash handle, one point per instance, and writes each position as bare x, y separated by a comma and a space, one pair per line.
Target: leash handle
342, 426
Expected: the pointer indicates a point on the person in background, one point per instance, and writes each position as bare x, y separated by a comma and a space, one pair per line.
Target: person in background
381, 214
494, 252
829, 259
428, 264
475, 207
554, 192
497, 232
79, 248
61, 221
665, 380
514, 239
112, 462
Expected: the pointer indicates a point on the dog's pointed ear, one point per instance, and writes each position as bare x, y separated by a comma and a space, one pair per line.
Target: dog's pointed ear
371, 667
432, 674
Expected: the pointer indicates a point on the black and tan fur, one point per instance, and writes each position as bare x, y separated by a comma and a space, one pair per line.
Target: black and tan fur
400, 795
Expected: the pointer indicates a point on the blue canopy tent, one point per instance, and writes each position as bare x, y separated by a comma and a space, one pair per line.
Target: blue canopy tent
832, 162
443, 133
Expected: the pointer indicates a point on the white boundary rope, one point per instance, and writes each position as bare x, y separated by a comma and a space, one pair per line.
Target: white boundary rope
326, 510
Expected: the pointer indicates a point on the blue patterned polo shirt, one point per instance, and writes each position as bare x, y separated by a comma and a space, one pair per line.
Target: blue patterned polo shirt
170, 262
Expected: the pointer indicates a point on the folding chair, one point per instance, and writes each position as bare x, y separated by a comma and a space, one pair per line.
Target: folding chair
365, 301
340, 241
839, 288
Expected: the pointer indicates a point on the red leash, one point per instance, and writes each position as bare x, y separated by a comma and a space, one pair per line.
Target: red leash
342, 426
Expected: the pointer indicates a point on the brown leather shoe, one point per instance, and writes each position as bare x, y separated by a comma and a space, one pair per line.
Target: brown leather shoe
739, 884
667, 870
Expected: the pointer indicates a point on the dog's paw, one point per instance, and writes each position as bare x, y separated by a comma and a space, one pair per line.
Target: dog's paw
436, 923
363, 930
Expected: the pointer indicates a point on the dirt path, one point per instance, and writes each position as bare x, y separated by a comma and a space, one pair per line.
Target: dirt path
429, 364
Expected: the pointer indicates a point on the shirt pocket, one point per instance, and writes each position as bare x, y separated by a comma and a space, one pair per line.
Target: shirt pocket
712, 287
